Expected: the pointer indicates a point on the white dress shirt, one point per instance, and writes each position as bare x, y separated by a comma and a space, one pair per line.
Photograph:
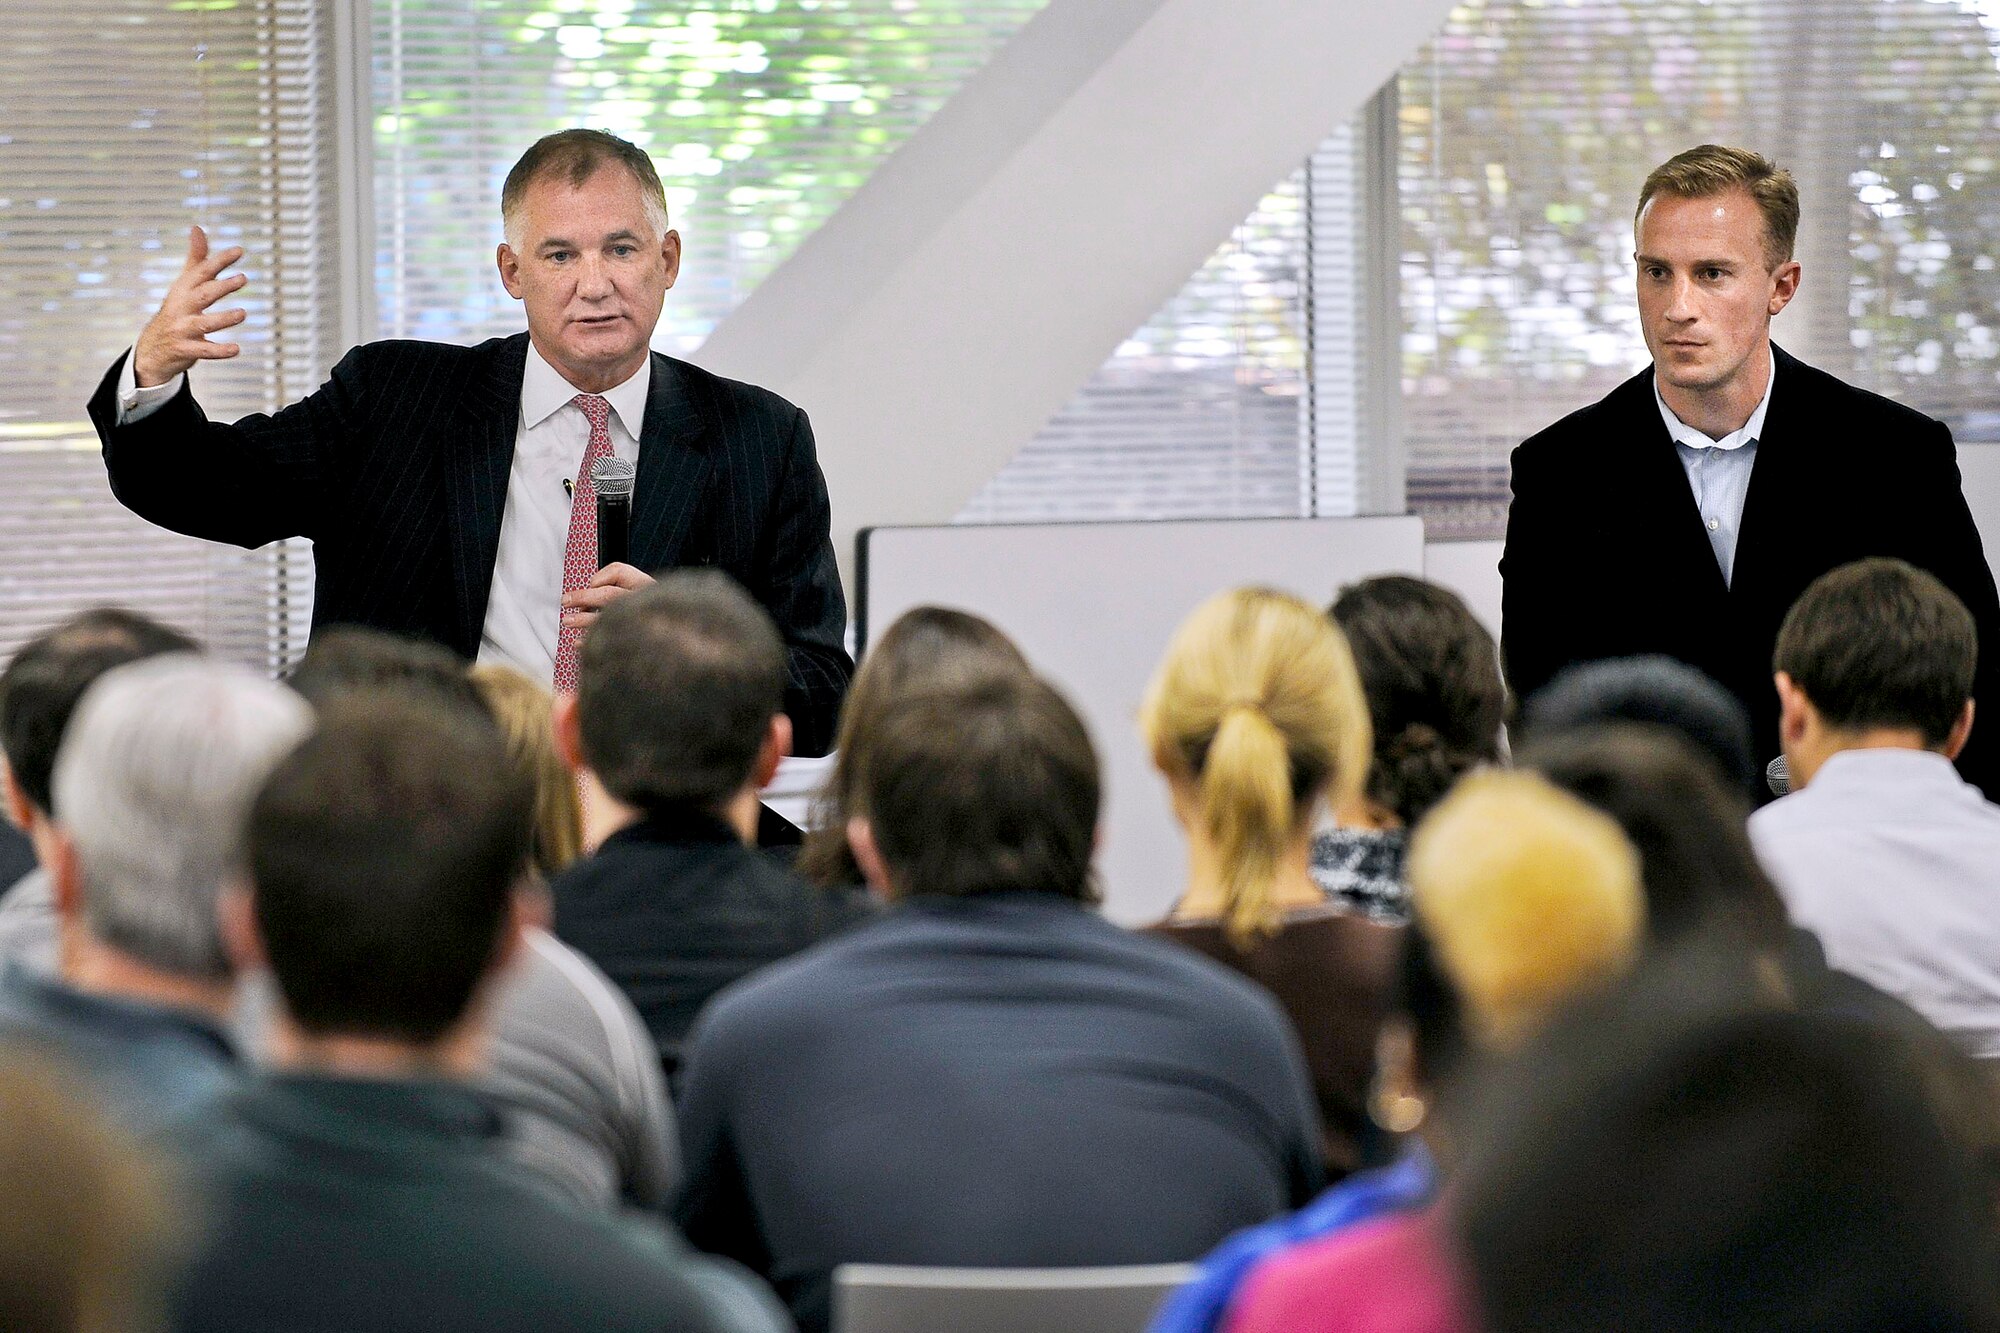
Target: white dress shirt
1718, 471
1893, 860
524, 607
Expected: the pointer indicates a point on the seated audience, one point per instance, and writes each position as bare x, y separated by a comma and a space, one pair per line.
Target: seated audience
1436, 705
38, 692
926, 645
1523, 899
1882, 850
990, 1075
677, 719
357, 1185
1655, 692
1255, 719
156, 772
1662, 1163
572, 1066
84, 1238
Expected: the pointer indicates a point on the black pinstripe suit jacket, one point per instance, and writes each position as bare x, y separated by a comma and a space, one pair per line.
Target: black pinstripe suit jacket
396, 468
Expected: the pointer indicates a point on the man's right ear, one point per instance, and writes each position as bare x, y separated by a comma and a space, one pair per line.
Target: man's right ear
568, 729
1794, 710
509, 265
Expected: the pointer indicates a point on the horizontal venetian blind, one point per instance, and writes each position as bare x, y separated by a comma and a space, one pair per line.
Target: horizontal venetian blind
1247, 396
762, 116
127, 120
1527, 129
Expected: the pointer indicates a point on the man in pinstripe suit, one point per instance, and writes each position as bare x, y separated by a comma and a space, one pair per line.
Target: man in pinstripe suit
435, 480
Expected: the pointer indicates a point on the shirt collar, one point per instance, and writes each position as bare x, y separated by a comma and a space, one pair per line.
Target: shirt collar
544, 392
1683, 433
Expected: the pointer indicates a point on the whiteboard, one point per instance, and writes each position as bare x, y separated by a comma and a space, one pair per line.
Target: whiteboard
1093, 605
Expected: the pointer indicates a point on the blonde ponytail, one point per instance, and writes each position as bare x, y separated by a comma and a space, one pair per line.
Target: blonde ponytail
1247, 806
1258, 707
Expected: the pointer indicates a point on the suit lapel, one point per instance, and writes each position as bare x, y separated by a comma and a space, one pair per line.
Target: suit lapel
673, 468
1772, 484
1660, 488
481, 454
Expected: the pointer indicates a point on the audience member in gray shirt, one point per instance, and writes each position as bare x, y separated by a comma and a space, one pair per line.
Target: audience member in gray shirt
1882, 850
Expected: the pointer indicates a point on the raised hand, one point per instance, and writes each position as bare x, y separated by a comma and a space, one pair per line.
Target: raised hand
177, 337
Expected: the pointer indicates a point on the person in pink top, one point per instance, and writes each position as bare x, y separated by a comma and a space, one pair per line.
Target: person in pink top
1522, 898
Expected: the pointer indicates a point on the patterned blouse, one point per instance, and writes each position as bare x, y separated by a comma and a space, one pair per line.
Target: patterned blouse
1362, 871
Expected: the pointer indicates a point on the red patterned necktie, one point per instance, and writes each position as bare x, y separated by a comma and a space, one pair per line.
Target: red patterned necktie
580, 556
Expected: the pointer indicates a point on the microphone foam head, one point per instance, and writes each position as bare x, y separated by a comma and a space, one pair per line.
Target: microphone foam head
613, 477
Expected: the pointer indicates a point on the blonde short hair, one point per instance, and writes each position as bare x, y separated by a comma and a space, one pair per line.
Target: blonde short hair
1259, 705
522, 708
1527, 897
1711, 169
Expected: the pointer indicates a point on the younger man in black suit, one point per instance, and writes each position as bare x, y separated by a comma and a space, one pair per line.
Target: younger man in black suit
1685, 512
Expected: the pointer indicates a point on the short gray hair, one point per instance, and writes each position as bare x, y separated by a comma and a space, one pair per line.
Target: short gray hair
154, 780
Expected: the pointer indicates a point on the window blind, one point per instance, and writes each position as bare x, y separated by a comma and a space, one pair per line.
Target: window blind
1248, 395
762, 116
126, 121
1527, 129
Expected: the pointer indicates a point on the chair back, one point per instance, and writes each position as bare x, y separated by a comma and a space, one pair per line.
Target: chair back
888, 1298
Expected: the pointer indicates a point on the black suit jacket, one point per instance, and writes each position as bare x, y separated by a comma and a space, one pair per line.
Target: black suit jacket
397, 468
1607, 556
675, 907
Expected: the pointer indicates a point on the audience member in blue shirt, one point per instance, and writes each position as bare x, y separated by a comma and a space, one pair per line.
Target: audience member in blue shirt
991, 1075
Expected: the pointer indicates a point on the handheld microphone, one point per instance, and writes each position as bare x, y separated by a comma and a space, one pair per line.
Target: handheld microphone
613, 480
1778, 776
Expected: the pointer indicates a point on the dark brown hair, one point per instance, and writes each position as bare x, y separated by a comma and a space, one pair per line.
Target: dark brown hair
1694, 849
677, 684
1432, 679
384, 852
927, 646
1880, 643
990, 787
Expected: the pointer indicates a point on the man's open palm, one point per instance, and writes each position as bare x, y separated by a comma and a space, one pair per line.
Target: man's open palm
177, 336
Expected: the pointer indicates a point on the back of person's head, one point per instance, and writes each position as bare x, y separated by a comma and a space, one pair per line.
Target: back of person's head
84, 1238
344, 659
983, 787
41, 686
926, 646
155, 777
677, 685
1694, 847
1258, 710
523, 708
1432, 677
1656, 691
1674, 1163
1526, 896
1881, 643
384, 852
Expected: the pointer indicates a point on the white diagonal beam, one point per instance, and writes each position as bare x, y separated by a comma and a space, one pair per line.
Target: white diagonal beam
988, 268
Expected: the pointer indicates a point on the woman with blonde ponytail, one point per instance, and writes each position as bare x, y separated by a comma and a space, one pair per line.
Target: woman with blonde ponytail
1257, 720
